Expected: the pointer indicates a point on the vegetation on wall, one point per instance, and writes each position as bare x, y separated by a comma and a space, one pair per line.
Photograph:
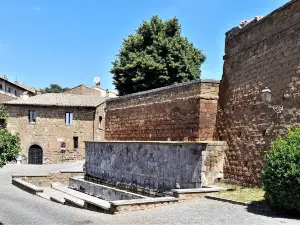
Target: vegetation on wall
54, 88
156, 55
9, 143
281, 173
3, 117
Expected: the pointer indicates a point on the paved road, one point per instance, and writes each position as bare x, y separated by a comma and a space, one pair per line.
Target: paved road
19, 207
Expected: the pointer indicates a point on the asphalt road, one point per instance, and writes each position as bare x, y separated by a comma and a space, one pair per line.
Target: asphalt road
19, 207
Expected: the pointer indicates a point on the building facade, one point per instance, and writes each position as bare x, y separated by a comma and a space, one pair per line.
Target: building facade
53, 127
259, 54
13, 90
95, 91
182, 112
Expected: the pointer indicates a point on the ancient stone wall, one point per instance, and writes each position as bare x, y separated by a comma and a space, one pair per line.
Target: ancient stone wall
264, 53
183, 112
99, 123
50, 130
155, 165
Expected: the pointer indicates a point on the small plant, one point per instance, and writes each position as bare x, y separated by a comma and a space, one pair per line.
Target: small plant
281, 173
3, 117
9, 146
9, 143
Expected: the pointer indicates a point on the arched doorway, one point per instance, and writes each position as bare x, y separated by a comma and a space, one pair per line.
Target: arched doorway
35, 155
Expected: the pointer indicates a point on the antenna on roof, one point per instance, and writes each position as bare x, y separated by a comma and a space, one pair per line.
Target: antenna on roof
97, 81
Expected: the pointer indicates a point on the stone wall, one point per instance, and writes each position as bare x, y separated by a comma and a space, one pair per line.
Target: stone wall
183, 112
50, 130
47, 180
264, 53
156, 165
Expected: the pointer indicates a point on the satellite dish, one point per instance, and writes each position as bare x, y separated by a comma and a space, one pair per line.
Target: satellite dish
97, 80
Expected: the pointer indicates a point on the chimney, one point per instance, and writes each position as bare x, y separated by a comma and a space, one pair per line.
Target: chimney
107, 93
4, 77
98, 85
38, 91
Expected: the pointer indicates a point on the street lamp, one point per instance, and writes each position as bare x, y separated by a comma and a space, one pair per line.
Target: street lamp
266, 96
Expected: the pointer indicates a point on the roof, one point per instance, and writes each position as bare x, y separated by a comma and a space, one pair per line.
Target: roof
94, 88
30, 89
60, 99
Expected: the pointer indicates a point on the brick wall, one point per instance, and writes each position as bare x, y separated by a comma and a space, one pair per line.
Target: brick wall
50, 129
183, 112
262, 54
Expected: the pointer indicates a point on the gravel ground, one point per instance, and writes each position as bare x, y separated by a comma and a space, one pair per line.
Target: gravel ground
19, 207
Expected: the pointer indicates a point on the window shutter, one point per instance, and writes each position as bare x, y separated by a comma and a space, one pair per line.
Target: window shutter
67, 118
34, 116
71, 118
30, 116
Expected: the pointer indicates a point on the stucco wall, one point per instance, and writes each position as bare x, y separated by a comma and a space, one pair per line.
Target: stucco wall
180, 112
262, 54
50, 129
156, 165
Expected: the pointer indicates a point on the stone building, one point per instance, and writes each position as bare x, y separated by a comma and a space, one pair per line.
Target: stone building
260, 53
181, 112
13, 90
95, 91
53, 127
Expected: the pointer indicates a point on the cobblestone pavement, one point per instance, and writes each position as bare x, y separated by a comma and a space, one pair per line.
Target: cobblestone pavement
19, 207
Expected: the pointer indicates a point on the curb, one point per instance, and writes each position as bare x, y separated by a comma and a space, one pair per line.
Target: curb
227, 200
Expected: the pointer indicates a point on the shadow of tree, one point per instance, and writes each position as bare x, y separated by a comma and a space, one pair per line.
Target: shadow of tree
262, 208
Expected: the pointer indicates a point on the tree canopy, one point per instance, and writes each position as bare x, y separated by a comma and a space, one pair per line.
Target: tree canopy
9, 143
54, 88
156, 55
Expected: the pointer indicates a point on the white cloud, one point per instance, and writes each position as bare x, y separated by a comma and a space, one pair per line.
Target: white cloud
36, 8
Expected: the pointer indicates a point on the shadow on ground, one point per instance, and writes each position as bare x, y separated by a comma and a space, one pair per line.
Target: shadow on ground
262, 208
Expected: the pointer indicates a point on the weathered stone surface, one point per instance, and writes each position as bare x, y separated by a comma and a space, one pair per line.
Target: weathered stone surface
155, 165
50, 129
183, 112
264, 54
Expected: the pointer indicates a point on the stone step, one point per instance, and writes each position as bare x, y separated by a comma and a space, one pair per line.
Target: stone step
43, 195
54, 195
84, 197
33, 189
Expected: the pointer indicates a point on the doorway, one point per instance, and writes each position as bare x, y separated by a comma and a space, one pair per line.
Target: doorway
35, 155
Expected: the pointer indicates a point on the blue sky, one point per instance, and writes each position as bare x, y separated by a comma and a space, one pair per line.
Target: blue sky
69, 42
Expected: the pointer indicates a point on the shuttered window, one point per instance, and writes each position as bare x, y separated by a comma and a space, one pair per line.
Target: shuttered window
32, 116
69, 118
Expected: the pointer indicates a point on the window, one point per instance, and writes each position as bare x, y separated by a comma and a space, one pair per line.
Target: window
100, 122
75, 141
1, 86
32, 116
8, 90
69, 118
15, 92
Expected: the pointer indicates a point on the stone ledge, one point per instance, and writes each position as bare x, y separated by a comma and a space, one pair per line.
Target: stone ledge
144, 201
198, 190
221, 143
163, 88
26, 186
38, 175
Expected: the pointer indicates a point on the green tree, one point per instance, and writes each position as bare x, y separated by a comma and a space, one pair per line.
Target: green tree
281, 173
9, 143
3, 117
54, 88
156, 55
